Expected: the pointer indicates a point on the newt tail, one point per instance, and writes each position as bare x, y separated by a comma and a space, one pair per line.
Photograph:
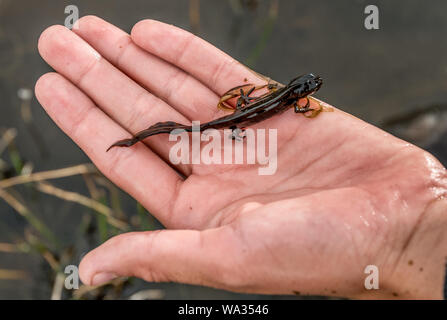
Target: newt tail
160, 127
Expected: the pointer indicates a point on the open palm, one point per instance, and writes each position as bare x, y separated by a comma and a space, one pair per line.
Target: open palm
345, 194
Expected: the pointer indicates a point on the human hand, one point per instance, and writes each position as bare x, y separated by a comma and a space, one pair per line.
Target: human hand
345, 194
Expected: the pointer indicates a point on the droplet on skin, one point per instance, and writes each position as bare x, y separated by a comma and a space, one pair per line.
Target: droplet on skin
95, 53
365, 222
438, 174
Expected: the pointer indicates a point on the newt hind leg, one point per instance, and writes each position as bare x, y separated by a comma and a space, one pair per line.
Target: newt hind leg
233, 93
243, 92
244, 98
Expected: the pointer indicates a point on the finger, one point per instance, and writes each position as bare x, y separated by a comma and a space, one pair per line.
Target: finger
121, 98
195, 257
197, 57
133, 170
179, 89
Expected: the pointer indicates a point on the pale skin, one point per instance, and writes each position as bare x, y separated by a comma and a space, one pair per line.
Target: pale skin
345, 195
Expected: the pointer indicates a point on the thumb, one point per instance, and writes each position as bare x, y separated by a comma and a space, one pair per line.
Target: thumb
188, 256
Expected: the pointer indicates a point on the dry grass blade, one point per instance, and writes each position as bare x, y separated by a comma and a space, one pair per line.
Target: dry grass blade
94, 191
115, 202
7, 138
8, 247
27, 214
47, 175
6, 274
58, 286
194, 15
13, 202
266, 33
51, 259
84, 289
36, 244
83, 200
151, 294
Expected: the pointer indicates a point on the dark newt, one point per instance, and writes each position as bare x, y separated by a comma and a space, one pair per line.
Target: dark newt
250, 110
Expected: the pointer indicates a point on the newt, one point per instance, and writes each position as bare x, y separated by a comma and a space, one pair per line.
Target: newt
249, 110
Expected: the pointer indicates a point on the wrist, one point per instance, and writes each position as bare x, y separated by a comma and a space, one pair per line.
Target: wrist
419, 272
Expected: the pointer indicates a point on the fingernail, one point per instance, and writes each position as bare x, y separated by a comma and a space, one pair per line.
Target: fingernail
102, 278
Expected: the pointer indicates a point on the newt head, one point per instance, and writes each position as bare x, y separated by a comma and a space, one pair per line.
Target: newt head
305, 85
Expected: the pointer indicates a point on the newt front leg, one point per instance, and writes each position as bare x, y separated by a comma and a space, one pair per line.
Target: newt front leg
313, 112
299, 109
